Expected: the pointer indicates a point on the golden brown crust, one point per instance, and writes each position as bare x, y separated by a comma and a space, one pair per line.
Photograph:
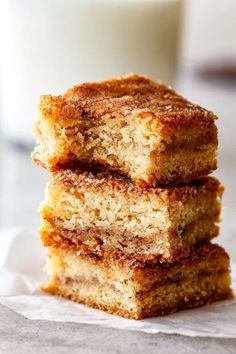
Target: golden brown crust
72, 240
64, 240
53, 290
125, 95
207, 252
145, 314
154, 267
101, 181
134, 92
95, 168
141, 315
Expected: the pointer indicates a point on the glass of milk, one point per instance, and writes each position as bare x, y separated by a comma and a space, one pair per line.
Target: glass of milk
49, 45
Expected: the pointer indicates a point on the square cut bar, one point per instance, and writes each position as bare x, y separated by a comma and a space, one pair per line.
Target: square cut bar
132, 125
132, 289
104, 213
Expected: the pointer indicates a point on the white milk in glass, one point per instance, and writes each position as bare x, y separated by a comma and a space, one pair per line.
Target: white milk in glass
49, 45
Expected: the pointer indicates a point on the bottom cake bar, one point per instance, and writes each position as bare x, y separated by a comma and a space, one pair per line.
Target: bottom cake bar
133, 289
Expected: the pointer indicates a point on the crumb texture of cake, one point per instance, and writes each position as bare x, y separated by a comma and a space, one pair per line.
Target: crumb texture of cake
133, 289
103, 213
130, 124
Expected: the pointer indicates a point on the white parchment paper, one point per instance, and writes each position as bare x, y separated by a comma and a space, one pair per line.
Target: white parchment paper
21, 262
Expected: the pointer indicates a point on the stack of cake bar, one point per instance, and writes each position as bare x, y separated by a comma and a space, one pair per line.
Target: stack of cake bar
130, 211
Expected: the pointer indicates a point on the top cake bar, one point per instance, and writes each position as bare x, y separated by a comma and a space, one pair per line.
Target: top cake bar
130, 124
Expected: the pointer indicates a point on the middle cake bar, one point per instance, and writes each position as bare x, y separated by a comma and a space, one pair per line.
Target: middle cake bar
106, 213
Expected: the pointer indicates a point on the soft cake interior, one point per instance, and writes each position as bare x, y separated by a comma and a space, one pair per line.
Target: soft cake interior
103, 213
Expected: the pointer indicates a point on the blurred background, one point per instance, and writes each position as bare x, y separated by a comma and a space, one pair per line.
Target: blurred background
47, 46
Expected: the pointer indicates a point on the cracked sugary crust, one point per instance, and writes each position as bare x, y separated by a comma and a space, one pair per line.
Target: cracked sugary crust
125, 95
140, 268
102, 181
